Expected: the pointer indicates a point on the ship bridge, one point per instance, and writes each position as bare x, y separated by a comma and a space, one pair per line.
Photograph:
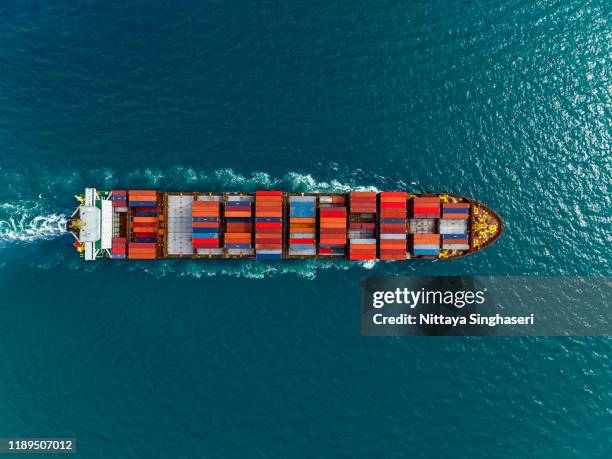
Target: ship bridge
92, 224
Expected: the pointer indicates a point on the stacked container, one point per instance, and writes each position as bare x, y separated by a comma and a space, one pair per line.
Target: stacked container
392, 239
206, 224
239, 225
362, 227
120, 200
332, 226
142, 250
302, 225
459, 210
143, 198
269, 225
426, 207
426, 244
455, 242
119, 247
144, 224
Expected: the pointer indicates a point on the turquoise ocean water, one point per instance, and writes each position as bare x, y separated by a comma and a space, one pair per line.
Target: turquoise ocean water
505, 101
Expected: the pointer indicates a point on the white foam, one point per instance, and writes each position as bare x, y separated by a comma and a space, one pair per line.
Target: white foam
20, 222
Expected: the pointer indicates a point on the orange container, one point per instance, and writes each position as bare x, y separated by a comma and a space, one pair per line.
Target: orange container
203, 213
145, 219
205, 225
363, 246
329, 241
303, 220
144, 229
268, 246
239, 227
237, 235
142, 192
426, 238
142, 256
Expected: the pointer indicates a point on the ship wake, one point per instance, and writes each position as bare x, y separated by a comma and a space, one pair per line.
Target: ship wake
29, 223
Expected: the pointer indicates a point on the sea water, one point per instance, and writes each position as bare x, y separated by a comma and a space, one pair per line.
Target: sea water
506, 102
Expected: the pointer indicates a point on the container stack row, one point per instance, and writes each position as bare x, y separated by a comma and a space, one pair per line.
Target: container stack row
206, 223
362, 226
458, 211
332, 226
120, 200
119, 249
144, 212
392, 239
302, 225
426, 244
426, 207
269, 225
455, 242
239, 225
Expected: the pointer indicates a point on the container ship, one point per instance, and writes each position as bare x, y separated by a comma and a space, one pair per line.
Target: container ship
274, 225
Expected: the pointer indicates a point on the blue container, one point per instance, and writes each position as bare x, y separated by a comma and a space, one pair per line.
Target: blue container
239, 219
302, 246
205, 235
454, 236
455, 211
205, 230
269, 256
204, 219
119, 198
119, 256
393, 220
145, 239
237, 203
145, 214
143, 204
237, 246
426, 252
268, 219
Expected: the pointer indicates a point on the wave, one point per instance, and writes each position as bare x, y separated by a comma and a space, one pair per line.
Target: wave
26, 223
57, 185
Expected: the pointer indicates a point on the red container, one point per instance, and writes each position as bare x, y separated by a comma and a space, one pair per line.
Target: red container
302, 241
393, 194
356, 256
268, 193
333, 241
138, 210
142, 245
268, 240
118, 251
392, 205
335, 214
145, 235
237, 209
268, 225
268, 231
205, 225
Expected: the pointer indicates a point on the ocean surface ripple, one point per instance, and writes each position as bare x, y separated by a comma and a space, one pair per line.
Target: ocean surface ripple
508, 102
